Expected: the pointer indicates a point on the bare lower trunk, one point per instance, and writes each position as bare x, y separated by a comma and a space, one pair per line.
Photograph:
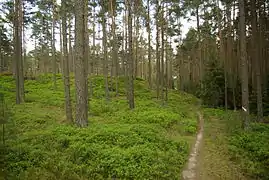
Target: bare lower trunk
80, 69
157, 51
104, 42
149, 47
130, 57
53, 46
18, 52
66, 78
244, 65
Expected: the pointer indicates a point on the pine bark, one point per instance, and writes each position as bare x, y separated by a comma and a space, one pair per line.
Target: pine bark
244, 64
65, 62
256, 60
149, 46
80, 69
18, 52
130, 57
104, 42
157, 51
53, 44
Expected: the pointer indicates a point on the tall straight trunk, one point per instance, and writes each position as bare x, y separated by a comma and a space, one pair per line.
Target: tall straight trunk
230, 54
200, 62
24, 54
234, 59
104, 42
61, 46
157, 50
244, 64
21, 68
122, 63
115, 42
149, 46
171, 67
18, 52
66, 78
80, 69
166, 70
35, 66
94, 53
126, 62
86, 53
136, 42
162, 52
53, 44
222, 58
262, 47
130, 57
70, 54
256, 60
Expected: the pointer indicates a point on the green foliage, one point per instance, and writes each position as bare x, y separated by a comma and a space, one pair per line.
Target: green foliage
249, 149
212, 89
102, 151
119, 143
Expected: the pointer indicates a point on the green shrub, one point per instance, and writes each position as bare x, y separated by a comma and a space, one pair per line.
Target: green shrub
249, 149
119, 143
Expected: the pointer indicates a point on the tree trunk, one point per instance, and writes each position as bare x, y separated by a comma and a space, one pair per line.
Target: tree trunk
18, 52
61, 44
162, 53
256, 60
80, 69
53, 44
244, 64
130, 58
70, 54
222, 58
104, 42
136, 42
68, 104
94, 53
115, 44
86, 52
157, 50
199, 45
230, 58
149, 46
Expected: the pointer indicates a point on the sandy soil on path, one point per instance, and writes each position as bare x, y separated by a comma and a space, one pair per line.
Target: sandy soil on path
213, 160
190, 171
209, 158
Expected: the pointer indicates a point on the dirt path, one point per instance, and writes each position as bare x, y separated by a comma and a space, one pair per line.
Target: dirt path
209, 158
213, 160
190, 171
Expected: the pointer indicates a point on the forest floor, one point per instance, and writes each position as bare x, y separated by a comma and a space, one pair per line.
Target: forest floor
190, 170
213, 158
117, 144
153, 141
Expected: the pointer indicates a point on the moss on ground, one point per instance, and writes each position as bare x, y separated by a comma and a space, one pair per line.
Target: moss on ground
150, 142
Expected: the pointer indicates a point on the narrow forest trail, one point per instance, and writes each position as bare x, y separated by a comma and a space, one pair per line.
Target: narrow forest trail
213, 160
190, 171
209, 158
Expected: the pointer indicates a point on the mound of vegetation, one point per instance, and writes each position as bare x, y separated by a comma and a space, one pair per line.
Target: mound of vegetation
149, 142
249, 149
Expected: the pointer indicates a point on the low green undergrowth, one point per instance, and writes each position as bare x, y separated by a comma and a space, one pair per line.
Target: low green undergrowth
249, 149
150, 142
